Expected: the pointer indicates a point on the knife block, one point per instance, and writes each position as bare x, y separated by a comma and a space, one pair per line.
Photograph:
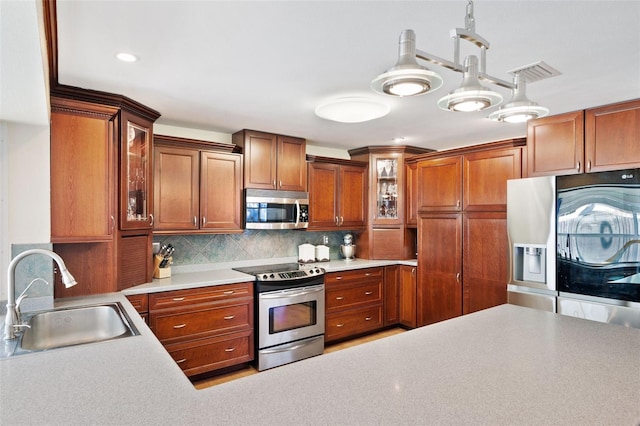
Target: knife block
159, 272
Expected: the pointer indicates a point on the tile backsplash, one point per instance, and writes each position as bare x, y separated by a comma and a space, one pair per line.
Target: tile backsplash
250, 245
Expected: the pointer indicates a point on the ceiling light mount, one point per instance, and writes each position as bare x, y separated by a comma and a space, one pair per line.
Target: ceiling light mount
408, 78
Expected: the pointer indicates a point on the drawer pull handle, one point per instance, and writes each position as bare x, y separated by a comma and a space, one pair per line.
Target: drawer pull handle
230, 349
368, 293
178, 299
368, 274
179, 326
229, 292
229, 317
180, 361
338, 278
339, 298
340, 325
368, 318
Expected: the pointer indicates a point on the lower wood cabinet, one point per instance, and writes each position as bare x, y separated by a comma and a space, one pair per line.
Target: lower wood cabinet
141, 304
407, 296
205, 329
354, 302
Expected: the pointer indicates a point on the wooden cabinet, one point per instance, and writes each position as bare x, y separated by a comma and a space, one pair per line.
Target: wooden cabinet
440, 184
136, 174
555, 145
198, 187
594, 140
205, 329
391, 294
354, 302
337, 194
273, 161
462, 237
485, 248
407, 296
100, 189
440, 267
83, 168
140, 302
612, 137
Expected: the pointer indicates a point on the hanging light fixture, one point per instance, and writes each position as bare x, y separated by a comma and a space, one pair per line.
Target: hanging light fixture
519, 109
471, 95
408, 78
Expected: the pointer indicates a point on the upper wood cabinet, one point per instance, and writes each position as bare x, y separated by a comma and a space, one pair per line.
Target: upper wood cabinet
83, 168
612, 137
411, 192
273, 161
594, 140
555, 145
136, 174
337, 194
198, 189
485, 175
440, 184
101, 189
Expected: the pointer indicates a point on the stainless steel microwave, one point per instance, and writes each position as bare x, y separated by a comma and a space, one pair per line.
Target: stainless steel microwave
269, 209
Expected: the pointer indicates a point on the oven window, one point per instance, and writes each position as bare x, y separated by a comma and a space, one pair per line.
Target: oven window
289, 317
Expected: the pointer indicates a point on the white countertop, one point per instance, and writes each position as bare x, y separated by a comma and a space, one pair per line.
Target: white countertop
219, 274
505, 365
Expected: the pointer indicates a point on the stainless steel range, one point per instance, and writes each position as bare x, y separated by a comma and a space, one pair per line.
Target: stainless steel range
289, 313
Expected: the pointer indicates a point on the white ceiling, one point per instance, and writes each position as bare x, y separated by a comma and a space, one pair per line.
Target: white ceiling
227, 65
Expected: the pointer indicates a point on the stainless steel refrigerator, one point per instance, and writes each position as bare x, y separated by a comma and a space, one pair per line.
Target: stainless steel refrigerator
531, 227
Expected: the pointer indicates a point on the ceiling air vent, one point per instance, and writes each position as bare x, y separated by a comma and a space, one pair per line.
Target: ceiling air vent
536, 71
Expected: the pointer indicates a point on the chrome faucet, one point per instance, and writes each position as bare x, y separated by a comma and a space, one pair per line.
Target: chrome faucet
12, 321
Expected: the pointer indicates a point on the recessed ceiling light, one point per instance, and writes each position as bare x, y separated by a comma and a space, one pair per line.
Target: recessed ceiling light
399, 139
127, 57
352, 109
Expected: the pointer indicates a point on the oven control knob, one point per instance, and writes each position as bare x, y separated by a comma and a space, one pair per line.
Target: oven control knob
264, 277
272, 276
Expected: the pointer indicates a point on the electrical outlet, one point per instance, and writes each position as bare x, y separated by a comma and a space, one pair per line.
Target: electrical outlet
325, 240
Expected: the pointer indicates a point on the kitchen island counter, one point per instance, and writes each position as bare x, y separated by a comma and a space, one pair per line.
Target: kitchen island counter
504, 365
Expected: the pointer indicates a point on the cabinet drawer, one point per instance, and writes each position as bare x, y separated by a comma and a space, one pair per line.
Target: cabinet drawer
352, 322
140, 302
341, 297
171, 325
200, 356
356, 275
172, 299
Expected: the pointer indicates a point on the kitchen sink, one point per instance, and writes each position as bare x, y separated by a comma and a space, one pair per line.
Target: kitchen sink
76, 326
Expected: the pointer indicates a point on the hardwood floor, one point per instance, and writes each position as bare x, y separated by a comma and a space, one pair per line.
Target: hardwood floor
247, 371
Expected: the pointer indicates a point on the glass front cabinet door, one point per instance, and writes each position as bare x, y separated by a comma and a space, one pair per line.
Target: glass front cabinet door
136, 172
388, 186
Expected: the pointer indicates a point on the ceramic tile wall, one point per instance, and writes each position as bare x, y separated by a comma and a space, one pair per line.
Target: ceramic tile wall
250, 245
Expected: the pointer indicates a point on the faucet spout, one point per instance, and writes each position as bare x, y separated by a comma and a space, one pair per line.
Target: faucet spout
12, 321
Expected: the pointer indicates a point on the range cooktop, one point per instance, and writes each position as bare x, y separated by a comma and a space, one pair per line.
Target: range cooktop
281, 272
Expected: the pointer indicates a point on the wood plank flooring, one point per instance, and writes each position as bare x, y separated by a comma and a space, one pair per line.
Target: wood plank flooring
216, 380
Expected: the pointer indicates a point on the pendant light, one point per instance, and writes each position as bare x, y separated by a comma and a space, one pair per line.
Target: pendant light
519, 109
471, 95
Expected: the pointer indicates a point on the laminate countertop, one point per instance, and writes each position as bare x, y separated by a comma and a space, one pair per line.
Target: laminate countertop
504, 365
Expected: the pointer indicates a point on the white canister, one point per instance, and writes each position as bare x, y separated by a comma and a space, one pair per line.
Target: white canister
322, 253
306, 253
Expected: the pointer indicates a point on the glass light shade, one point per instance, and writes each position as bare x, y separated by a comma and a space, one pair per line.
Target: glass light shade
127, 57
469, 100
518, 114
352, 109
407, 82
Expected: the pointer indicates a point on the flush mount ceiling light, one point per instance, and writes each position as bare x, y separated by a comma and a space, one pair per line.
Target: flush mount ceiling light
408, 78
352, 109
127, 57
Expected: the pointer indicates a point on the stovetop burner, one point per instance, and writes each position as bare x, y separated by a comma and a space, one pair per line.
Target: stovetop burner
281, 272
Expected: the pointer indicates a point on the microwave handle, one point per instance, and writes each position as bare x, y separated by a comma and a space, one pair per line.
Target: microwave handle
297, 212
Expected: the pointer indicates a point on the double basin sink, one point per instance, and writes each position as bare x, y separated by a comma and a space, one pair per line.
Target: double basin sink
75, 326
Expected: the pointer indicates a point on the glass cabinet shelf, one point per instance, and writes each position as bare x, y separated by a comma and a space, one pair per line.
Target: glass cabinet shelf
387, 188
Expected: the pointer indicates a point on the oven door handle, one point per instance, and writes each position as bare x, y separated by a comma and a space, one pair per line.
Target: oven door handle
289, 348
279, 295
